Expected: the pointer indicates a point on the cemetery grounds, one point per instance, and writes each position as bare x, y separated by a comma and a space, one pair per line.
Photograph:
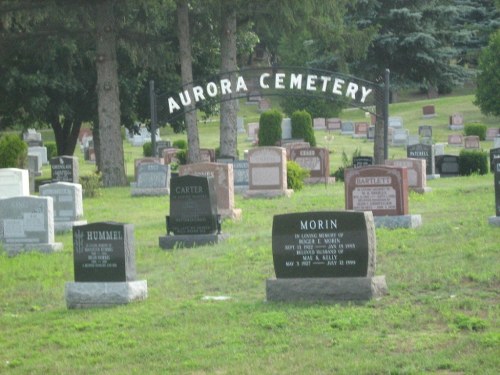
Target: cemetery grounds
441, 316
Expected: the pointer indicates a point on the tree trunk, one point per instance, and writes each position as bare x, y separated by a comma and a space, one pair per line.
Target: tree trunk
228, 108
111, 163
66, 136
187, 80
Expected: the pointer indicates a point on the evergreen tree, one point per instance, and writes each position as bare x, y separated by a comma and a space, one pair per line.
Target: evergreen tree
488, 80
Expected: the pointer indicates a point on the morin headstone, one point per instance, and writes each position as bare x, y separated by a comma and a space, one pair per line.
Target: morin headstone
104, 266
27, 223
321, 256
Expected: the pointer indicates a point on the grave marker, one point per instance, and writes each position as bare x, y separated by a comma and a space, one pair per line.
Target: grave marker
27, 223
455, 140
495, 220
267, 172
319, 123
429, 111
396, 122
68, 204
65, 169
193, 219
360, 130
152, 179
494, 157
324, 256
223, 178
491, 133
472, 142
333, 123
316, 161
422, 151
104, 267
448, 165
417, 180
14, 182
362, 161
347, 128
456, 122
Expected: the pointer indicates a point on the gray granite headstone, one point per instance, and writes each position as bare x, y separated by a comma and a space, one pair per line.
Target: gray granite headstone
152, 179
27, 223
68, 204
14, 182
448, 165
347, 128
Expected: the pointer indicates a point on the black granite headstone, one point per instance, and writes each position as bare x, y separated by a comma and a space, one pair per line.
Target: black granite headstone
447, 165
193, 206
422, 151
362, 161
324, 244
494, 155
497, 187
64, 169
104, 252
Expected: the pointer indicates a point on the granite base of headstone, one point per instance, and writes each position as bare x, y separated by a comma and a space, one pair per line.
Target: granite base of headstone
194, 220
398, 221
324, 257
27, 224
104, 265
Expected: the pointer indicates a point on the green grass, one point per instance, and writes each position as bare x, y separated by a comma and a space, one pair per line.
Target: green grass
441, 316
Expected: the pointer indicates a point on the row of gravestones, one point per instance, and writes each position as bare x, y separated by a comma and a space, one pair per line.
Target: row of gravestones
319, 255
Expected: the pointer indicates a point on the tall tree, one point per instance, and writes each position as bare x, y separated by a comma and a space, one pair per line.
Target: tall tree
186, 61
111, 160
228, 130
488, 80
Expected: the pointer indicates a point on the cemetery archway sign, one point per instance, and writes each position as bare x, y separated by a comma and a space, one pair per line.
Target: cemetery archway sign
251, 83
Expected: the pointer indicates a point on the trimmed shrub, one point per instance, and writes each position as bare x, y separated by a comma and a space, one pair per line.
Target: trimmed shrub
476, 129
302, 127
181, 144
270, 128
13, 151
147, 149
51, 150
91, 185
346, 163
295, 175
182, 157
472, 161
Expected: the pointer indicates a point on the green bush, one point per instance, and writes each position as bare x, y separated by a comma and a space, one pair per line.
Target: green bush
476, 129
51, 150
302, 127
13, 151
472, 161
270, 128
91, 185
295, 175
182, 156
180, 143
147, 149
346, 163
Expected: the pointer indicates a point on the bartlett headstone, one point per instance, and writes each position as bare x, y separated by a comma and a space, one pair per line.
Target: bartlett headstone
222, 175
27, 223
448, 165
193, 220
104, 266
64, 169
324, 256
422, 151
267, 172
382, 190
316, 161
68, 204
152, 179
14, 182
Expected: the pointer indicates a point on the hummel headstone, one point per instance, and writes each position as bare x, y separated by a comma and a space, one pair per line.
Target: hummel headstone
324, 256
104, 266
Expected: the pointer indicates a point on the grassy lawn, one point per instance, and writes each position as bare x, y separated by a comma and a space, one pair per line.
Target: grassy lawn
441, 316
